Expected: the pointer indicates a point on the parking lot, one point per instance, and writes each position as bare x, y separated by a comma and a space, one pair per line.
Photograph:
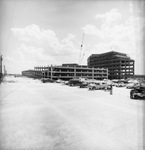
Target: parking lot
54, 116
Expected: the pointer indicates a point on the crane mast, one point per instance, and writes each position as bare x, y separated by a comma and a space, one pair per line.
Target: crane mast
81, 49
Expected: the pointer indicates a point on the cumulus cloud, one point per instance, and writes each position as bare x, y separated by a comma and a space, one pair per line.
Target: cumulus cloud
42, 47
42, 43
46, 39
37, 37
124, 34
108, 25
91, 29
109, 17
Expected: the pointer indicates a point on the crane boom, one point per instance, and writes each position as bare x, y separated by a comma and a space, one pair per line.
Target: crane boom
81, 48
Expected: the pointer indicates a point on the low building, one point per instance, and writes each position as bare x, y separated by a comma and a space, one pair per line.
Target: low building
28, 73
70, 71
120, 66
139, 77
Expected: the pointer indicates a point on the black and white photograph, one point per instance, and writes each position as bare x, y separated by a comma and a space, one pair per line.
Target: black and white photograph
72, 75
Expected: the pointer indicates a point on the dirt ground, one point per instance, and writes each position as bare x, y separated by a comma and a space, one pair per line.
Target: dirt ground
53, 116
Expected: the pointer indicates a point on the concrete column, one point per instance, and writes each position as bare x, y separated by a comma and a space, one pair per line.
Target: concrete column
42, 72
129, 68
120, 69
39, 72
93, 73
48, 72
51, 72
133, 67
125, 69
74, 71
34, 72
40, 68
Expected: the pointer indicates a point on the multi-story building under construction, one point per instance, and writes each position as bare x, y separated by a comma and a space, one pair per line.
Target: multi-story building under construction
120, 66
70, 71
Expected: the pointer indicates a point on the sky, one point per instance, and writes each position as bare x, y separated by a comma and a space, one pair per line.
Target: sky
44, 32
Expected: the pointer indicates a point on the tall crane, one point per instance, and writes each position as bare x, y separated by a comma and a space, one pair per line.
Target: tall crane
81, 49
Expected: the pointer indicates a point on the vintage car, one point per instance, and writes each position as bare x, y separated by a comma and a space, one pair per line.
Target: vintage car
138, 91
59, 81
45, 80
92, 86
130, 85
83, 85
97, 86
121, 84
74, 82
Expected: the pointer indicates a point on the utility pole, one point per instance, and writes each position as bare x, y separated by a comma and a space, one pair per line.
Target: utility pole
1, 72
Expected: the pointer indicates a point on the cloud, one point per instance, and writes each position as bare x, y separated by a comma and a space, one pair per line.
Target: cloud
123, 35
114, 33
91, 29
109, 17
27, 57
41, 43
108, 24
32, 35
131, 8
41, 47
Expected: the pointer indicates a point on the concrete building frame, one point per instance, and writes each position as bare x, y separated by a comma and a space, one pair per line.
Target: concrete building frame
70, 71
119, 65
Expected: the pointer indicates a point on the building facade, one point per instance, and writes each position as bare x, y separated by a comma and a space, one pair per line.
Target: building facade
70, 71
119, 65
28, 73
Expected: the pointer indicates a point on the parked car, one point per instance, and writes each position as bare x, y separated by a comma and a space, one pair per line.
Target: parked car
114, 84
59, 81
120, 85
92, 86
138, 91
45, 80
130, 85
97, 86
83, 85
74, 82
66, 82
103, 85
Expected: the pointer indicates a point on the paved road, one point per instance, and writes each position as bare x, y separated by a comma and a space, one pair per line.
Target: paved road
37, 116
